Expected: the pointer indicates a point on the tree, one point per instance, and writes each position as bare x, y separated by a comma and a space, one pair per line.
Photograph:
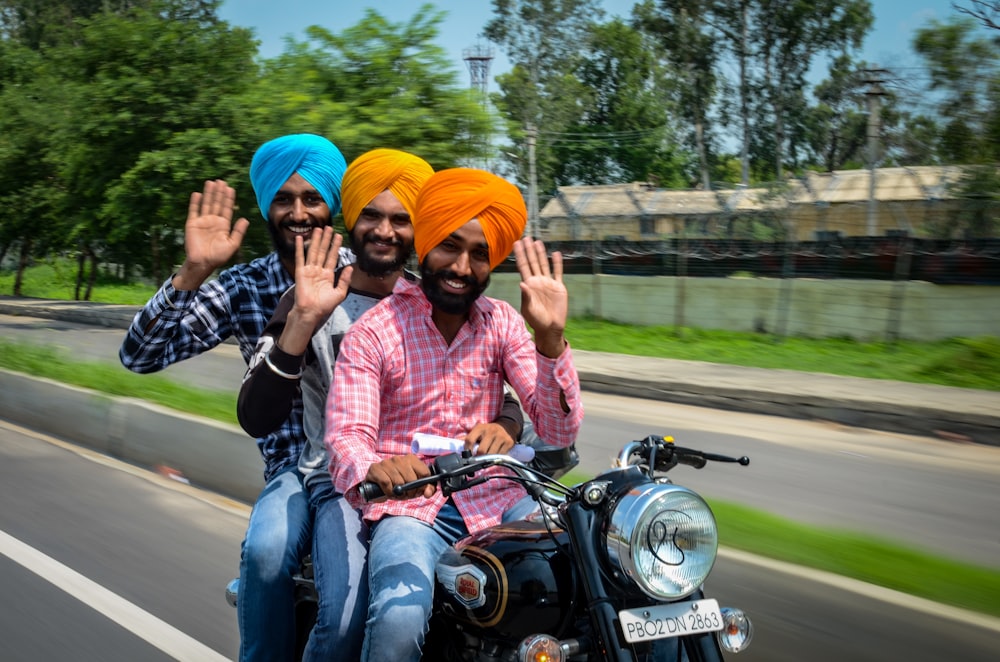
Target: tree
836, 127
39, 23
788, 36
150, 190
542, 40
127, 85
987, 12
376, 84
733, 21
27, 181
964, 77
688, 42
623, 130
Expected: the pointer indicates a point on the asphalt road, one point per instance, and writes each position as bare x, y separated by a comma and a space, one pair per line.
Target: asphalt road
102, 561
930, 494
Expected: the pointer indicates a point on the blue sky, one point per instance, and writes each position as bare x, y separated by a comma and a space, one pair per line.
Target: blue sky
887, 44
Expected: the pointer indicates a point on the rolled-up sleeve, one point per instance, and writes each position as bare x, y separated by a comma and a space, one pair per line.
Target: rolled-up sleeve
557, 380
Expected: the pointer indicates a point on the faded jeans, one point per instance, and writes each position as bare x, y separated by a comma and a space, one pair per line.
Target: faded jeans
277, 537
339, 554
401, 560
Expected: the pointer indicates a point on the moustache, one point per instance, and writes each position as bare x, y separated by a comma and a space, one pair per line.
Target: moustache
370, 238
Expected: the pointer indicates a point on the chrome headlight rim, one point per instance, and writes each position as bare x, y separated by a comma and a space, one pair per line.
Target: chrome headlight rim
663, 538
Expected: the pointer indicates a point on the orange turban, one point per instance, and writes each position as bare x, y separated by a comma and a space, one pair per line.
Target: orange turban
380, 169
451, 198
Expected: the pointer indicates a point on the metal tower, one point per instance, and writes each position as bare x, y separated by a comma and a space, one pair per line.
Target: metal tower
478, 58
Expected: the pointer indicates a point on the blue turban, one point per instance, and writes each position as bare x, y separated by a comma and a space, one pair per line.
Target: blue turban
315, 158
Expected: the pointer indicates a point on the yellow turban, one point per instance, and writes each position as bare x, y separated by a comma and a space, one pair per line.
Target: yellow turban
451, 198
378, 170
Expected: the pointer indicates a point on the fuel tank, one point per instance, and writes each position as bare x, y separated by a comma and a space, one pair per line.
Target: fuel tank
509, 581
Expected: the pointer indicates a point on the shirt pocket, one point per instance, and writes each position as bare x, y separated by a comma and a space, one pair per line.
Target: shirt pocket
480, 394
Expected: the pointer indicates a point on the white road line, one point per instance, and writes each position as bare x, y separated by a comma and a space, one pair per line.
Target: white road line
136, 620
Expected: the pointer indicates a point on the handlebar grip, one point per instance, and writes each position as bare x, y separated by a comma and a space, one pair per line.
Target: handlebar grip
370, 491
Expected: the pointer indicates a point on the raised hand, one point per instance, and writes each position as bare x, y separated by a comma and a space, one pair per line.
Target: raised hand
544, 299
210, 236
315, 293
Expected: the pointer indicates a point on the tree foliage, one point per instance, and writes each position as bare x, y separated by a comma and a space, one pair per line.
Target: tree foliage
542, 39
963, 70
376, 84
114, 112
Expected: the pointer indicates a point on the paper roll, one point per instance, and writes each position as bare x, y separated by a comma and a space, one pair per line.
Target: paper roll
432, 444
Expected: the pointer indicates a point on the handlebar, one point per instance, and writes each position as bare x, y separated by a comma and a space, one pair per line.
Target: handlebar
663, 455
456, 471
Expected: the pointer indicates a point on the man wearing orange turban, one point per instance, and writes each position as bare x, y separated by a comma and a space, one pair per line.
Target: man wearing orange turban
296, 354
434, 358
453, 197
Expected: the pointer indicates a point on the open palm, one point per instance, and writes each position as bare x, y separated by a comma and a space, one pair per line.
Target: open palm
315, 292
544, 299
210, 237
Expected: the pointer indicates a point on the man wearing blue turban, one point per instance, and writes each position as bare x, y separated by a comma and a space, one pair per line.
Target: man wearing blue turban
297, 180
304, 164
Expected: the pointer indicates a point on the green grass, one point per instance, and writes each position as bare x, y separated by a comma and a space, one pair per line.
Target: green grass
850, 554
112, 378
962, 362
862, 557
56, 279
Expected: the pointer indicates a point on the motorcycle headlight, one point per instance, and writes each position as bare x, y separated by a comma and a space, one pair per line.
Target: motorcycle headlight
664, 538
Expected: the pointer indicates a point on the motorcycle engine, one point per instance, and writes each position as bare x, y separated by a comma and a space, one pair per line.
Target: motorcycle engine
507, 582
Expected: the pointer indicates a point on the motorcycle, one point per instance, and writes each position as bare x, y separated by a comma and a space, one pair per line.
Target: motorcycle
611, 569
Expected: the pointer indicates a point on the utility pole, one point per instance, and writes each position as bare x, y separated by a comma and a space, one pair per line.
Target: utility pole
874, 94
532, 134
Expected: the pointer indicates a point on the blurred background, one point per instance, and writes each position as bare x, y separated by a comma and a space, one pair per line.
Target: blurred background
799, 185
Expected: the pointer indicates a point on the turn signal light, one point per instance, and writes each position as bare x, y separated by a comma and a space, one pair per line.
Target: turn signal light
540, 648
737, 630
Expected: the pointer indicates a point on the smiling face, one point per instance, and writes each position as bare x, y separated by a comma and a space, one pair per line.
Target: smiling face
296, 210
457, 271
382, 237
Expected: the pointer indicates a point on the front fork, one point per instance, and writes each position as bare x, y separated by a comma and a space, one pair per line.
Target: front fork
603, 613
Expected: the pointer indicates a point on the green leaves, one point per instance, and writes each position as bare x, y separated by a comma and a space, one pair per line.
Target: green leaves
114, 112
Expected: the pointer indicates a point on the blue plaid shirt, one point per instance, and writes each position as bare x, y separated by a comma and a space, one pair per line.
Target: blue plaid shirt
239, 303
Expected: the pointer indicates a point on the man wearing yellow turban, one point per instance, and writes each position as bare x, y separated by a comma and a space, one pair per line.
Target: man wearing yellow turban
434, 358
296, 355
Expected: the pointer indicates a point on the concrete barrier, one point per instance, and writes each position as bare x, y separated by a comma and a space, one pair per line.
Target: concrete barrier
219, 457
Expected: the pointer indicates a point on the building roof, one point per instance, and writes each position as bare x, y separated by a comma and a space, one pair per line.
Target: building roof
634, 199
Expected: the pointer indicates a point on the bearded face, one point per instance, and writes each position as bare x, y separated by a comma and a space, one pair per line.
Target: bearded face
296, 210
449, 292
379, 256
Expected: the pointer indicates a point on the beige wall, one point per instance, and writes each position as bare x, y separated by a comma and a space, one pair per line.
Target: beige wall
860, 309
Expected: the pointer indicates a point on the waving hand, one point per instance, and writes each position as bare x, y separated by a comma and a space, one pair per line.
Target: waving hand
544, 299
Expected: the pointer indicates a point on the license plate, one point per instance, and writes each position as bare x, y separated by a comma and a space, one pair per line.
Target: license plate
674, 620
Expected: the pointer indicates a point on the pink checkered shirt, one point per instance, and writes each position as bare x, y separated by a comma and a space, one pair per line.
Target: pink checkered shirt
397, 376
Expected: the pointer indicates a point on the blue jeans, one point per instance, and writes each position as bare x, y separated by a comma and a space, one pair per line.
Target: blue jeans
277, 538
339, 554
401, 560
